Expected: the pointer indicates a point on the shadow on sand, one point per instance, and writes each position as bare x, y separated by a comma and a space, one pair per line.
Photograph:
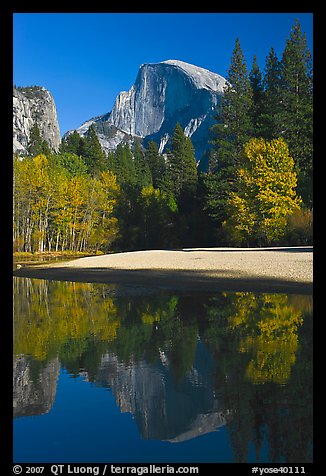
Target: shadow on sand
180, 280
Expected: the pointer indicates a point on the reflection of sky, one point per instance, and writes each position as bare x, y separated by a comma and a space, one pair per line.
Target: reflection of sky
85, 425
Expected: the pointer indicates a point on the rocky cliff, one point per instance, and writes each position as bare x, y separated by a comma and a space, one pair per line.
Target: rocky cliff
163, 94
34, 105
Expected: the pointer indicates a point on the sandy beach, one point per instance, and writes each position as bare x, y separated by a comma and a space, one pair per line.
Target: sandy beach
276, 269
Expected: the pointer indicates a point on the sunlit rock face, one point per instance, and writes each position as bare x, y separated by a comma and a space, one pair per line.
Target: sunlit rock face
34, 105
163, 94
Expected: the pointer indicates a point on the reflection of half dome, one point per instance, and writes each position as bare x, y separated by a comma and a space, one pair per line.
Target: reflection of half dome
203, 424
163, 408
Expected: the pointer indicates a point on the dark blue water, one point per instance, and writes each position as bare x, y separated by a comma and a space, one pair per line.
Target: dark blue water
105, 374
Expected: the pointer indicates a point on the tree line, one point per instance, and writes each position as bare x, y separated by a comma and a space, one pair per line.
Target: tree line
256, 188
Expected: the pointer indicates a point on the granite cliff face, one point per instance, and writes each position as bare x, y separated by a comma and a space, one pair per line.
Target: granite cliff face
34, 105
163, 94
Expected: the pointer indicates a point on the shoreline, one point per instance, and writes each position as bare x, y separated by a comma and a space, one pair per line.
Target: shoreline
274, 269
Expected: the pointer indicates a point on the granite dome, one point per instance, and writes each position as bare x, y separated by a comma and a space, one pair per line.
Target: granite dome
163, 94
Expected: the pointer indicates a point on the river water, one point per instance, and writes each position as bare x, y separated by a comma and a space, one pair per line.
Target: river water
105, 373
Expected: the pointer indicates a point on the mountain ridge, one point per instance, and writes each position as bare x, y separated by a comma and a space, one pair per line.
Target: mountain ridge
163, 94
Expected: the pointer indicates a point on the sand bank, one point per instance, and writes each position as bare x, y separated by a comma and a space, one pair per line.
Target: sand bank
275, 269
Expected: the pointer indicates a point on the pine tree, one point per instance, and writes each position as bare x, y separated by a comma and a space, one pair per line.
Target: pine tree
36, 144
234, 125
72, 144
256, 82
156, 163
124, 165
142, 170
93, 153
182, 167
233, 129
297, 107
272, 106
112, 162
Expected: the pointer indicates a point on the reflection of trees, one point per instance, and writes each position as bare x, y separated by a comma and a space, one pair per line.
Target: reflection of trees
263, 341
263, 328
260, 345
54, 316
156, 324
268, 328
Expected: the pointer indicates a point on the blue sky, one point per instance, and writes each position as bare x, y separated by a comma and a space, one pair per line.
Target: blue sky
86, 59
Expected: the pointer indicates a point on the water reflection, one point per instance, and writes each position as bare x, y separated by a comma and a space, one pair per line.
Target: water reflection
34, 386
162, 409
183, 365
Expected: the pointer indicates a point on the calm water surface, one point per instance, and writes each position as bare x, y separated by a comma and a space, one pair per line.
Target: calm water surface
108, 374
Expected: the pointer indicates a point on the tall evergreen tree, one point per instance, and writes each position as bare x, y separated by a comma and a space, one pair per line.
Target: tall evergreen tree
256, 82
72, 144
233, 129
272, 105
112, 162
36, 144
124, 165
297, 106
142, 170
93, 153
156, 163
182, 167
127, 206
234, 125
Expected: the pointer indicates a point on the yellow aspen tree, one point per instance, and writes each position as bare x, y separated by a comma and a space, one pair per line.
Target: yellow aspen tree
266, 193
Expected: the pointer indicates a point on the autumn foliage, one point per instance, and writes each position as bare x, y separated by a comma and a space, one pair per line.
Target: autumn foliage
56, 210
266, 193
